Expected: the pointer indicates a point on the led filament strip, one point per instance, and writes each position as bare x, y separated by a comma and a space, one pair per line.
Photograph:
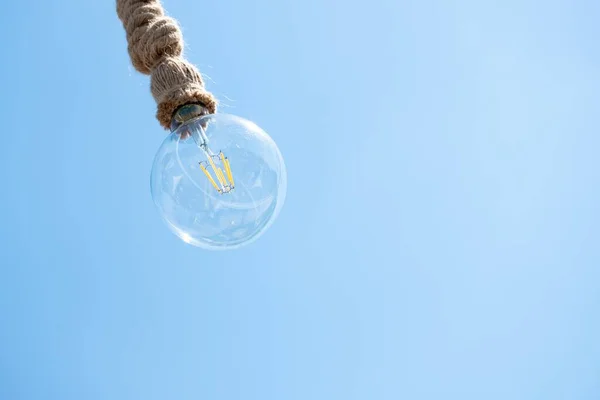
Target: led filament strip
225, 186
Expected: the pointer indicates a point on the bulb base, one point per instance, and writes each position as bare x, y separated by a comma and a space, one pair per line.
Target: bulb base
186, 113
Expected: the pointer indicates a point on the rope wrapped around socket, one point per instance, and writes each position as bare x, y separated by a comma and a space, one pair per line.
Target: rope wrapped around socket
155, 46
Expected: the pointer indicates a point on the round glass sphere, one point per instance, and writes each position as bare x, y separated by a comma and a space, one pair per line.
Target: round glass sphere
218, 180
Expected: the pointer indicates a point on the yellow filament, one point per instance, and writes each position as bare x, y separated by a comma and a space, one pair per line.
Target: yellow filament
228, 170
222, 157
222, 175
214, 167
210, 178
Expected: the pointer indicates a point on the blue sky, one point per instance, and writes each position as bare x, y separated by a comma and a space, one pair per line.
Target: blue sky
439, 238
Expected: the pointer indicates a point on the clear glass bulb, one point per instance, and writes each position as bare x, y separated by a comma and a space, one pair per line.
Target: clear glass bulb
217, 180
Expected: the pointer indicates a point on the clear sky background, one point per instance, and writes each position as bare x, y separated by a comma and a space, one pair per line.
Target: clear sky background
440, 237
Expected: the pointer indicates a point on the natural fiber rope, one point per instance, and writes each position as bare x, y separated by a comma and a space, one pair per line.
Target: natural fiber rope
155, 45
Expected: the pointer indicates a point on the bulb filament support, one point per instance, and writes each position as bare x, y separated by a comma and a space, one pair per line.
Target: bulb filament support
222, 180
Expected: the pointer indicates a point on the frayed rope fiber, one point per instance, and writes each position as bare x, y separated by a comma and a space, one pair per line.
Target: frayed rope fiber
155, 46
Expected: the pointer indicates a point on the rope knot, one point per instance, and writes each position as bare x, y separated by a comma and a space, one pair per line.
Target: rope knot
175, 82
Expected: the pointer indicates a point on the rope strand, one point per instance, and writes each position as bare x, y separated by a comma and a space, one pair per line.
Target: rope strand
155, 46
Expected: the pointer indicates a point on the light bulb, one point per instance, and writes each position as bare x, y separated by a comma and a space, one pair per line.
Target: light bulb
217, 180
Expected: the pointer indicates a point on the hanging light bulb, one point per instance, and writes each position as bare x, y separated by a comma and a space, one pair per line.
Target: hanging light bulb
218, 180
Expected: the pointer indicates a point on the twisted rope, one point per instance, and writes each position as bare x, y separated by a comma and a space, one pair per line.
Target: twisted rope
155, 46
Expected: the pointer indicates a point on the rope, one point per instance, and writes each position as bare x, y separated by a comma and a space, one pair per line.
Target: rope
155, 46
